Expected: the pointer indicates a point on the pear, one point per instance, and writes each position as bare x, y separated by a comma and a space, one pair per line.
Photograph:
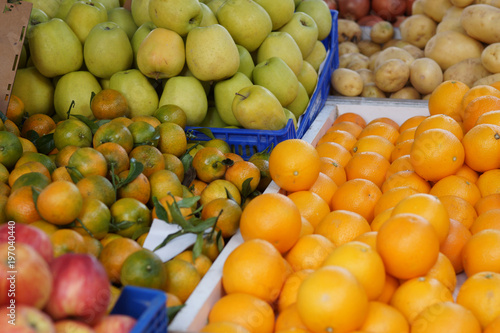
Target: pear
214, 5
180, 16
308, 77
321, 14
37, 16
213, 119
208, 16
55, 49
141, 96
187, 93
107, 50
211, 53
140, 11
317, 55
75, 87
280, 11
304, 31
35, 90
281, 44
123, 17
139, 36
300, 103
50, 7
247, 22
64, 8
289, 114
84, 15
246, 62
224, 92
110, 4
161, 54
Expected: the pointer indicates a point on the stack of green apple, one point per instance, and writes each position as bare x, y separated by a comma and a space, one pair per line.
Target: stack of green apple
227, 63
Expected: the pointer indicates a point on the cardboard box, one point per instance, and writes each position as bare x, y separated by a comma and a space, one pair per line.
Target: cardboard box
14, 19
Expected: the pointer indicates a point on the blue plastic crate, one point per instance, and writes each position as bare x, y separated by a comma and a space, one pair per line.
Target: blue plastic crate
146, 305
246, 142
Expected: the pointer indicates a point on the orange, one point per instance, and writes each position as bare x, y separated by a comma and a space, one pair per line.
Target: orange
143, 268
411, 122
234, 157
482, 252
60, 202
20, 206
240, 172
174, 164
133, 211
487, 220
408, 245
480, 293
113, 256
436, 153
466, 172
116, 157
357, 195
493, 326
97, 187
202, 263
385, 120
96, 218
150, 157
40, 123
324, 186
172, 139
446, 317
382, 129
352, 117
456, 185
402, 148
367, 165
384, 318
109, 104
139, 188
151, 120
228, 214
288, 320
390, 286
402, 163
406, 135
333, 169
441, 121
36, 179
15, 110
67, 241
309, 252
72, 132
272, 217
481, 145
88, 161
25, 168
109, 238
167, 200
363, 262
459, 209
63, 155
241, 309
342, 226
489, 182
30, 156
446, 99
208, 164
197, 186
122, 120
454, 243
61, 173
311, 206
444, 272
29, 146
182, 277
347, 126
328, 290
114, 131
490, 117
224, 327
288, 295
343, 138
10, 127
416, 294
220, 188
476, 92
294, 165
380, 219
392, 197
334, 151
374, 143
255, 267
488, 202
163, 182
171, 113
369, 238
11, 149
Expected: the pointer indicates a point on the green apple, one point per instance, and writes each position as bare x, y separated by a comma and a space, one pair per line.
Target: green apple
289, 114
139, 36
123, 17
255, 107
224, 92
281, 44
180, 16
84, 15
317, 55
300, 103
208, 16
320, 12
161, 54
55, 49
104, 83
50, 7
246, 62
308, 77
23, 57
213, 119
304, 31
64, 8
275, 75
140, 11
186, 92
280, 11
37, 16
110, 4
107, 50
247, 22
75, 87
35, 90
214, 5
141, 96
211, 53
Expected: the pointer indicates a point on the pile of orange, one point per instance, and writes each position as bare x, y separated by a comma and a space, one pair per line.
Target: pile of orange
373, 224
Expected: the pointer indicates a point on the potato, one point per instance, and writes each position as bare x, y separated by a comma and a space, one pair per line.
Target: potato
372, 60
467, 71
417, 7
406, 93
347, 82
394, 52
495, 3
487, 80
392, 75
359, 62
461, 3
367, 75
425, 75
450, 47
367, 47
348, 47
414, 51
417, 30
436, 9
394, 42
382, 32
370, 90
451, 20
426, 97
347, 58
491, 57
481, 22
348, 30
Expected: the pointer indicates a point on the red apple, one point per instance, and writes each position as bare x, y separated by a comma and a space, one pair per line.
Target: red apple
115, 323
72, 326
25, 276
332, 4
24, 233
81, 288
27, 319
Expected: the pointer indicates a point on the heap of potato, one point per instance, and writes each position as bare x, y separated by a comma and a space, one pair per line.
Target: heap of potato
442, 40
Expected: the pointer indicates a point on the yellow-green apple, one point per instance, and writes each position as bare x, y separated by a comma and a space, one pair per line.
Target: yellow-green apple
308, 77
81, 289
25, 276
139, 36
180, 16
208, 16
64, 8
320, 12
55, 49
140, 11
317, 55
25, 319
300, 103
275, 75
207, 85
188, 93
84, 15
289, 114
110, 4
211, 53
107, 50
26, 234
255, 107
72, 326
246, 61
224, 92
281, 44
123, 17
247, 22
50, 7
213, 119
141, 96
214, 5
75, 88
23, 57
36, 16
304, 31
116, 323
280, 11
296, 2
104, 83
161, 54
35, 90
